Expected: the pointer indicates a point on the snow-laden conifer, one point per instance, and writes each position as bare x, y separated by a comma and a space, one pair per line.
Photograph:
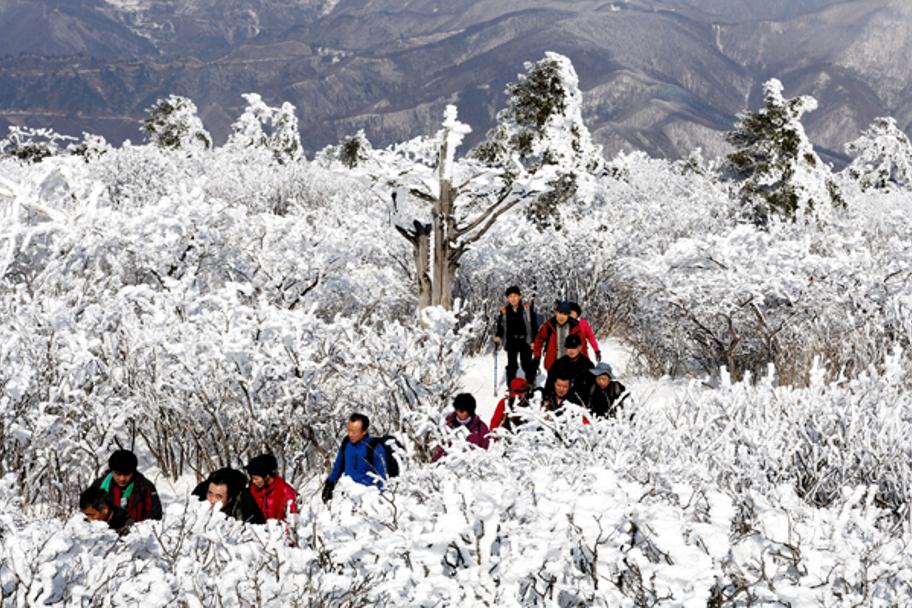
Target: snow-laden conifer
881, 157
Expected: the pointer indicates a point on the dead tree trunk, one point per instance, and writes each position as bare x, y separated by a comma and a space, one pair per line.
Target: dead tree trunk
420, 238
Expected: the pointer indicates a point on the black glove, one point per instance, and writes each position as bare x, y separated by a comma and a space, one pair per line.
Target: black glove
598, 356
328, 490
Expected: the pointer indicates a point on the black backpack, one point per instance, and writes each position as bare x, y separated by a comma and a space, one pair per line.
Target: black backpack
388, 442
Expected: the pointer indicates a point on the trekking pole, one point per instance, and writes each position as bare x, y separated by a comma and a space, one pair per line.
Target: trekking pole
496, 348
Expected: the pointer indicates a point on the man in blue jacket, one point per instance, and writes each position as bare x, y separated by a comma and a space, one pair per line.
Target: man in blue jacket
361, 457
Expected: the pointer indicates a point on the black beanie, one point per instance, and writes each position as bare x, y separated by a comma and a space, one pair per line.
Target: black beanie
513, 289
262, 465
464, 402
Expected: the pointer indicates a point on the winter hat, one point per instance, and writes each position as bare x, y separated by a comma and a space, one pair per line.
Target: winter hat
572, 341
123, 461
602, 369
513, 289
574, 307
262, 465
464, 402
563, 307
518, 386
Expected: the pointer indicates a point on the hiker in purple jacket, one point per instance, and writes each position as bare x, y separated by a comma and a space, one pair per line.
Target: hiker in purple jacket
464, 416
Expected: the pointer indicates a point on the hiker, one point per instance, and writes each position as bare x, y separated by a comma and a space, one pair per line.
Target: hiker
228, 487
505, 412
273, 495
128, 489
574, 365
517, 326
588, 337
360, 457
96, 505
561, 394
552, 334
464, 416
606, 394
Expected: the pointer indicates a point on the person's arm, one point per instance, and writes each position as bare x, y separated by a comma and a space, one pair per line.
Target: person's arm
153, 504
540, 338
337, 471
483, 440
590, 336
499, 331
498, 417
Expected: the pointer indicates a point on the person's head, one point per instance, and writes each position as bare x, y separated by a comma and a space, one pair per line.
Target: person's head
514, 296
96, 505
603, 374
464, 404
575, 311
262, 470
561, 387
123, 467
562, 312
358, 427
573, 346
224, 486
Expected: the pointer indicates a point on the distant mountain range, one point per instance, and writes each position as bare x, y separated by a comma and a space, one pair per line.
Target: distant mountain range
663, 76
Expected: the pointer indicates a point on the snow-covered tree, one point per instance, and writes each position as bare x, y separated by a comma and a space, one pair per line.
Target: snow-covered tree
173, 124
273, 128
778, 170
542, 126
882, 157
33, 145
351, 151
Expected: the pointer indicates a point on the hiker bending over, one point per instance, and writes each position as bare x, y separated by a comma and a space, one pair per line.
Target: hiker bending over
228, 487
361, 457
606, 395
273, 495
505, 412
128, 489
96, 505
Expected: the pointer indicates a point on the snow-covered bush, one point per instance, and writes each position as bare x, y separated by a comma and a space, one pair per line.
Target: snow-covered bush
882, 157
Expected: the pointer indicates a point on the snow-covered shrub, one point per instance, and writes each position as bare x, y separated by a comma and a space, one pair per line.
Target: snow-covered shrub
882, 157
173, 124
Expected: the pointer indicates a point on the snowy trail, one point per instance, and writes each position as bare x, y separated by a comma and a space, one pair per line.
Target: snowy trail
479, 379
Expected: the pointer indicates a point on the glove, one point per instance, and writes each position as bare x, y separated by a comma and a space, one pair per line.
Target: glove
328, 490
598, 356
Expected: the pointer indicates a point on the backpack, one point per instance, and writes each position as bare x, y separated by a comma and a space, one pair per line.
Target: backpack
388, 442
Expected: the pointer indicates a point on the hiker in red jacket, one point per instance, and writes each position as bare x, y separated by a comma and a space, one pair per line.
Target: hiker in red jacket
128, 489
518, 397
273, 495
588, 336
553, 333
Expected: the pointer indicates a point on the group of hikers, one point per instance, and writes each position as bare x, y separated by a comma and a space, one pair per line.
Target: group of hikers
123, 496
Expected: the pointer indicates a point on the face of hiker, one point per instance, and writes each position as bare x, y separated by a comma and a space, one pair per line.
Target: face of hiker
514, 299
218, 492
561, 317
259, 481
355, 432
574, 314
573, 351
93, 514
122, 479
462, 415
603, 381
561, 388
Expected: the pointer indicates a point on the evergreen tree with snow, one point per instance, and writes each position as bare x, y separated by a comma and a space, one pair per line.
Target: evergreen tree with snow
261, 125
173, 124
882, 157
351, 151
778, 170
542, 125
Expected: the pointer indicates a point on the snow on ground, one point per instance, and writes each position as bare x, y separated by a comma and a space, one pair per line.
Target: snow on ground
479, 379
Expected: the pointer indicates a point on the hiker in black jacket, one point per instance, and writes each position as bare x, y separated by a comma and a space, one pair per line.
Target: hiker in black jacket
229, 487
574, 365
517, 326
606, 395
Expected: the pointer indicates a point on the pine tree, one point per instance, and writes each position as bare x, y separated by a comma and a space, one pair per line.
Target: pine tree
882, 157
173, 124
261, 125
542, 125
778, 170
